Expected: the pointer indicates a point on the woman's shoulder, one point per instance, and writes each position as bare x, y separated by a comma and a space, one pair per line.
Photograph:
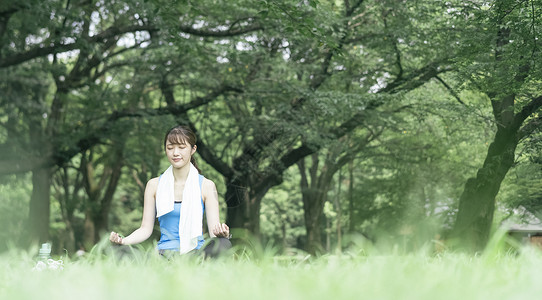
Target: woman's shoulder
207, 183
208, 188
151, 187
153, 182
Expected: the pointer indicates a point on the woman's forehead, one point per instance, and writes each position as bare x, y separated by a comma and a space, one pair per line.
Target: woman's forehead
174, 139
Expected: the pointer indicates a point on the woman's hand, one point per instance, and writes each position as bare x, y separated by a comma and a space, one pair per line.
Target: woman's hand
115, 238
221, 230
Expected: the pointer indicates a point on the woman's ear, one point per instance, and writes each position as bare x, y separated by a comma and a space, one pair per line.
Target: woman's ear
194, 149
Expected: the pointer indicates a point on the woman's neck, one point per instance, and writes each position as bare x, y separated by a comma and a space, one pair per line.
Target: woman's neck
181, 174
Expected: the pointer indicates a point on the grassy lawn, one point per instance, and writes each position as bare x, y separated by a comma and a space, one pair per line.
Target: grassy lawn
492, 275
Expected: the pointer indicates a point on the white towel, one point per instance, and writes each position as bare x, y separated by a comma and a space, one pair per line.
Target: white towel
191, 221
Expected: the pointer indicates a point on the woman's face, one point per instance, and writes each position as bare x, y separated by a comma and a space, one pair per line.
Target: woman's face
179, 154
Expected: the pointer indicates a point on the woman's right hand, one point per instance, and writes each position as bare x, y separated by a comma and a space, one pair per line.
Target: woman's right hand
115, 238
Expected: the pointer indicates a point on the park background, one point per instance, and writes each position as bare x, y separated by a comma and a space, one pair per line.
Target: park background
326, 125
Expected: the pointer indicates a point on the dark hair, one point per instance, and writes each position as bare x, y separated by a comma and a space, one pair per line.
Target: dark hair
182, 135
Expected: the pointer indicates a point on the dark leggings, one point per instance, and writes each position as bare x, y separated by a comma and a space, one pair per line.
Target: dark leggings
216, 247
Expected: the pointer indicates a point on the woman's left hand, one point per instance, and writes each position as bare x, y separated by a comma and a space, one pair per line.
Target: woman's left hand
221, 230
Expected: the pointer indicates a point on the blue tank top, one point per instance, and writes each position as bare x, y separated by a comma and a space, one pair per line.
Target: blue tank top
169, 227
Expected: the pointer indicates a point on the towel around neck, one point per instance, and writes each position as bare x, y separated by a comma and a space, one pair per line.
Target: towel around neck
191, 222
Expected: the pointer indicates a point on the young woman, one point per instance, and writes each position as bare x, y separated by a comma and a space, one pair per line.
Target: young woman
179, 198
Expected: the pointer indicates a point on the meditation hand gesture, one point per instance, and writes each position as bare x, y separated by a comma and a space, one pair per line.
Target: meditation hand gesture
221, 230
115, 238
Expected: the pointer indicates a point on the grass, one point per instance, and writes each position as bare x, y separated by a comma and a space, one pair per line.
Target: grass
493, 275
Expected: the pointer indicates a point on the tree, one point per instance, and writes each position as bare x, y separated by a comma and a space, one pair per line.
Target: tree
67, 189
57, 28
290, 85
266, 85
522, 189
77, 48
316, 184
505, 72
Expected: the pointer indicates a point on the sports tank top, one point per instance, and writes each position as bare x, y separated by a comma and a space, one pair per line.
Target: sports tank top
169, 227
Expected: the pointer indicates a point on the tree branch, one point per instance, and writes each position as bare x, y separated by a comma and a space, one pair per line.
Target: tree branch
94, 137
420, 77
417, 78
204, 151
59, 48
530, 127
36, 52
350, 10
527, 111
230, 32
302, 172
115, 31
452, 92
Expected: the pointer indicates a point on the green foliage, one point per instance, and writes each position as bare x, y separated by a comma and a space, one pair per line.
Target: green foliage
15, 197
522, 187
302, 71
282, 215
409, 181
492, 66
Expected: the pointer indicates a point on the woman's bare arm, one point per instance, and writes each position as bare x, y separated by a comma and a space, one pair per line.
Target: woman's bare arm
147, 222
210, 198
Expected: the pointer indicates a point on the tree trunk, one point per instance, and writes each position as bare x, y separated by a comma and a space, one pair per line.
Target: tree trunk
339, 212
243, 207
314, 196
69, 238
102, 218
38, 215
351, 197
254, 216
238, 204
328, 235
477, 203
313, 207
99, 205
68, 200
89, 232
